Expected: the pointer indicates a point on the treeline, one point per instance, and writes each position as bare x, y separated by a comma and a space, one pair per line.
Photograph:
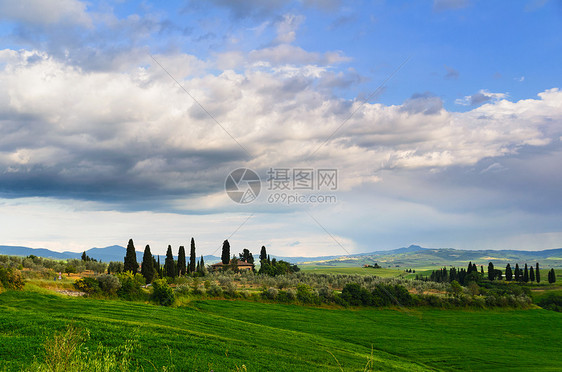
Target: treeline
471, 274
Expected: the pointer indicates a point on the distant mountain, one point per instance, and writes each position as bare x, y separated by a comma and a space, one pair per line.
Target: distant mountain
40, 252
416, 256
296, 260
412, 256
106, 254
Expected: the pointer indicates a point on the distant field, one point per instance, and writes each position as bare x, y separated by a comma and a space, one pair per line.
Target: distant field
224, 335
320, 269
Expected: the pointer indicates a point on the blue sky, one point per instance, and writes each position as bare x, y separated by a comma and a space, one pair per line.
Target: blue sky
460, 147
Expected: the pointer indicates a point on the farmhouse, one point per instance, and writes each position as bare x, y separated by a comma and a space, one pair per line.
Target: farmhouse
242, 266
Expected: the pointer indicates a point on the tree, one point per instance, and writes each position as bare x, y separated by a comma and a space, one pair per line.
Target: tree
538, 274
526, 274
169, 264
517, 272
531, 274
456, 288
508, 273
246, 255
233, 264
551, 276
192, 256
159, 268
225, 256
491, 272
263, 253
482, 270
147, 268
131, 263
181, 261
202, 268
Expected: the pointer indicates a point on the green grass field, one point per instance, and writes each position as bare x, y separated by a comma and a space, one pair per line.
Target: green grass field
321, 269
224, 335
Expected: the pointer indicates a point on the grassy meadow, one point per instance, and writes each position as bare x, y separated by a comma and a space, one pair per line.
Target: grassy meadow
223, 335
383, 272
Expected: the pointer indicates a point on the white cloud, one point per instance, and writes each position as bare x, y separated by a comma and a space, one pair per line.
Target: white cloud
481, 97
100, 127
287, 28
46, 12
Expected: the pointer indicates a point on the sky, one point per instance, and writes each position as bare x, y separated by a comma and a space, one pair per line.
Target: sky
369, 125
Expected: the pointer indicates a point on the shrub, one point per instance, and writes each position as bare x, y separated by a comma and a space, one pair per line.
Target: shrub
551, 302
291, 294
354, 295
162, 293
182, 290
214, 291
109, 284
87, 285
10, 278
270, 294
130, 285
66, 351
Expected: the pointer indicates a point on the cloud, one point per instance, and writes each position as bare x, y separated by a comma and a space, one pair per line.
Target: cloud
479, 98
135, 138
425, 103
441, 5
46, 12
451, 74
287, 27
265, 9
250, 8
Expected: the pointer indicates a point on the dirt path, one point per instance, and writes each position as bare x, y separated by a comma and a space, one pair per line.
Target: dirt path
69, 293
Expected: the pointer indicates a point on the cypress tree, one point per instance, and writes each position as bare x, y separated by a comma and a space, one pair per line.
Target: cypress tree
160, 268
538, 273
169, 264
526, 274
156, 268
491, 271
225, 256
531, 274
482, 270
131, 263
508, 273
192, 256
263, 253
147, 269
453, 274
517, 272
202, 265
181, 261
552, 276
469, 268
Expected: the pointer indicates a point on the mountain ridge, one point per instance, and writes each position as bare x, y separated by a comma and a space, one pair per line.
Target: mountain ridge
413, 255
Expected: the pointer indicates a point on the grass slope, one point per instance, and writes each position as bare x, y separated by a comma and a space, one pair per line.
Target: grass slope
383, 273
224, 335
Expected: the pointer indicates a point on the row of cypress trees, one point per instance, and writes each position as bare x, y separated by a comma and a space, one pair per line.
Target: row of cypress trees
151, 267
526, 275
